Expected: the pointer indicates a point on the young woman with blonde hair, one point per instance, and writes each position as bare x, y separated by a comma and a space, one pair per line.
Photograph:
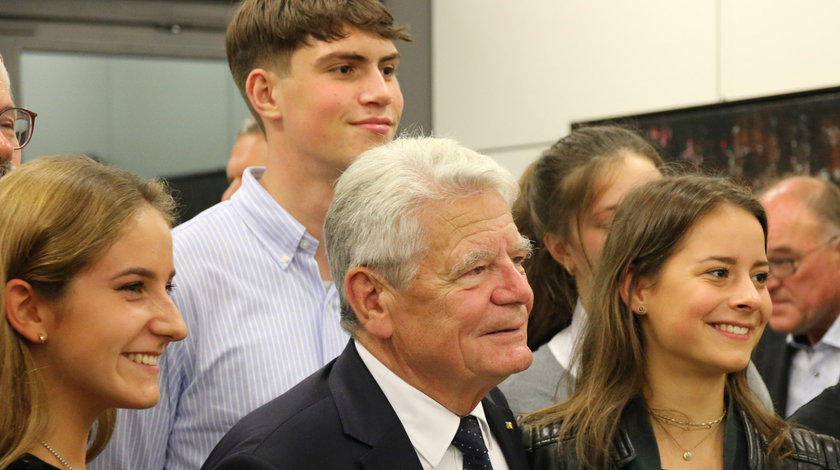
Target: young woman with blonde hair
85, 269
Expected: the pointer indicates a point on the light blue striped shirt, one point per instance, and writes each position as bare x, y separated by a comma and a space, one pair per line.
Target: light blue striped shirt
260, 320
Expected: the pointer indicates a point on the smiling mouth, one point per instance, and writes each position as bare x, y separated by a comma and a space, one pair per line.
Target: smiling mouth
145, 359
738, 330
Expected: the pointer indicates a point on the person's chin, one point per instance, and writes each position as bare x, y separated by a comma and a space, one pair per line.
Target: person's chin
783, 323
514, 359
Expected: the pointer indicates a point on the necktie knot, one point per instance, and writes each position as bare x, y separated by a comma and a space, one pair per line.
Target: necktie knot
469, 441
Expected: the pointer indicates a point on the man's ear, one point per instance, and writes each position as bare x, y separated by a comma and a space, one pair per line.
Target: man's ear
25, 311
368, 295
557, 247
263, 92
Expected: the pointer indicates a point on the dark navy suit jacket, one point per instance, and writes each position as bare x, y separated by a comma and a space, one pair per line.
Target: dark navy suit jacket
338, 418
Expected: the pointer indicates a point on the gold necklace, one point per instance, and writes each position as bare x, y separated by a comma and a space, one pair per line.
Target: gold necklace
687, 455
689, 424
59, 457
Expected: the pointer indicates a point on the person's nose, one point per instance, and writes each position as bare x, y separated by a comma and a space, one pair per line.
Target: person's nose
379, 89
513, 286
773, 283
7, 149
746, 296
168, 323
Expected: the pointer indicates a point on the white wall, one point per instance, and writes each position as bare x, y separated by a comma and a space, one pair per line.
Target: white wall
510, 77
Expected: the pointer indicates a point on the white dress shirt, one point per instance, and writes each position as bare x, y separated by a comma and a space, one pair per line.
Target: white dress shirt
562, 345
813, 368
430, 426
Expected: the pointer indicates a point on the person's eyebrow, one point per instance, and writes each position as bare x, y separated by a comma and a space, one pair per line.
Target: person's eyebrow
473, 257
353, 57
526, 245
731, 260
468, 260
781, 250
142, 272
721, 259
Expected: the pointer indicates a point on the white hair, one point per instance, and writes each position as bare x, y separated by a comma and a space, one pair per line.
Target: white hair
373, 220
4, 75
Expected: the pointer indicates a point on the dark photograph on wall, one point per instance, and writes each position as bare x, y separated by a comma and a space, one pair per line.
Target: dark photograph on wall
754, 141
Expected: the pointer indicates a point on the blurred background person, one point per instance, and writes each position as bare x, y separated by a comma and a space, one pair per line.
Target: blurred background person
678, 302
249, 149
16, 124
799, 355
86, 266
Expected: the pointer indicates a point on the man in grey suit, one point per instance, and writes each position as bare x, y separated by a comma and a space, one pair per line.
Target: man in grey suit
428, 265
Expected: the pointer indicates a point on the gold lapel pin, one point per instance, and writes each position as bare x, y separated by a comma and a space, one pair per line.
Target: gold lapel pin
508, 425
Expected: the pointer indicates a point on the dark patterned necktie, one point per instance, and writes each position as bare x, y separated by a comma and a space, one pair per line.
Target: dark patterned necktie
468, 440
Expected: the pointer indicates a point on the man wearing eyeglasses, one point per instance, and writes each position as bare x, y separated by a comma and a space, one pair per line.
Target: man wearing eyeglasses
799, 355
16, 124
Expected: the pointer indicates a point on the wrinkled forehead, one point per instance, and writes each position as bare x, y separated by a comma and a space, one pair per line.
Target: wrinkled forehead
793, 226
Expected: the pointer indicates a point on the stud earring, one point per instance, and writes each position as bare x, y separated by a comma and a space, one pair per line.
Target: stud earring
42, 337
641, 309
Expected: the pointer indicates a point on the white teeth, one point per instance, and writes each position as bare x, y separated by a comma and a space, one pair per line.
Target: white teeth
738, 330
146, 359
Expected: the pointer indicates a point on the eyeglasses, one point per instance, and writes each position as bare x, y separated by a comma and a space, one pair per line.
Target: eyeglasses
17, 125
781, 268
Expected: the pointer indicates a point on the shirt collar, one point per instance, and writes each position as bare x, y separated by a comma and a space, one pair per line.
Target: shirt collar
831, 338
430, 426
562, 345
281, 234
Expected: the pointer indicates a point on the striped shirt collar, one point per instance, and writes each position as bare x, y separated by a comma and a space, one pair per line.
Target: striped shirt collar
280, 233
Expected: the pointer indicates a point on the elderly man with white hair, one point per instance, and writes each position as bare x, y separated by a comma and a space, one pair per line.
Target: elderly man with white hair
16, 124
428, 265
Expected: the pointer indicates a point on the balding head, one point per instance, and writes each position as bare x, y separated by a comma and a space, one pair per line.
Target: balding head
804, 251
821, 196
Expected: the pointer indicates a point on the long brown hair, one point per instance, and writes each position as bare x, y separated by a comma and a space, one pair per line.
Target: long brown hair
646, 231
58, 214
556, 191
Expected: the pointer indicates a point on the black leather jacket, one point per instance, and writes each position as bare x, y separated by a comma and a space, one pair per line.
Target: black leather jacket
811, 451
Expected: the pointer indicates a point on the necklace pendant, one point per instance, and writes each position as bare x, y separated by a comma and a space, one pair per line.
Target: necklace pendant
687, 456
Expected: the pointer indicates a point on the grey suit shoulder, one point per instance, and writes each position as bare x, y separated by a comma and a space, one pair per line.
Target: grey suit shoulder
543, 384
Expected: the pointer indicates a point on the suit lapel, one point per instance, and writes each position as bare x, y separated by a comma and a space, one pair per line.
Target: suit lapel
504, 428
367, 416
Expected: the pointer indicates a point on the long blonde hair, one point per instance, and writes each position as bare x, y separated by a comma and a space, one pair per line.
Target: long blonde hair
57, 215
646, 231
